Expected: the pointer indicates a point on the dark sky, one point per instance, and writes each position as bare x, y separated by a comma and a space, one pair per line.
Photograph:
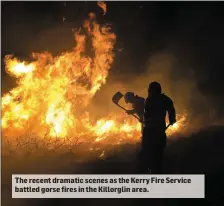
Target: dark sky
192, 31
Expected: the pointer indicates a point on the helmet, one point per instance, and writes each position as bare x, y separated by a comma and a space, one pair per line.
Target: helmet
154, 88
128, 97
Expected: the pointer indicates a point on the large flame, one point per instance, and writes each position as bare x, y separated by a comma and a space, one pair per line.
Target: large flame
53, 92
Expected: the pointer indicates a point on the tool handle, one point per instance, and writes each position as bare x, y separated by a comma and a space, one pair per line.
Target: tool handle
136, 117
168, 126
126, 111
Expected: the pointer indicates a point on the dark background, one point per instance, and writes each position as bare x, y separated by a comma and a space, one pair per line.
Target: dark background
192, 31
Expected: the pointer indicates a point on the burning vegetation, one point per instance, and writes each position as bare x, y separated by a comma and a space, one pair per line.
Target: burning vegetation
53, 93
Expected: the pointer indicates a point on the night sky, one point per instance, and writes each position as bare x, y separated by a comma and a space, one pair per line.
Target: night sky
192, 31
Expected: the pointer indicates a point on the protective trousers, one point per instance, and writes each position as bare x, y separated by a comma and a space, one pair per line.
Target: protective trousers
152, 150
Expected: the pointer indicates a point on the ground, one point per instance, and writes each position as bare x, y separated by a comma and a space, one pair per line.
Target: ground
200, 153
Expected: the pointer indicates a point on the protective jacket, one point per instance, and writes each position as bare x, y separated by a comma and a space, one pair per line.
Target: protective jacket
155, 111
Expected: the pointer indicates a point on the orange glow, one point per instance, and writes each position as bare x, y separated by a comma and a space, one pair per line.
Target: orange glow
103, 6
53, 92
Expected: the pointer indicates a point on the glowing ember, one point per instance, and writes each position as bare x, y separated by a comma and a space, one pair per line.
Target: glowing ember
53, 92
103, 6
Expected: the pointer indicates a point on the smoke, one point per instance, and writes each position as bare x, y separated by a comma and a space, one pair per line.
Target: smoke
177, 81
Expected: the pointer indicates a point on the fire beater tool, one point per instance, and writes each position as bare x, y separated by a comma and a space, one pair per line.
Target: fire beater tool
116, 98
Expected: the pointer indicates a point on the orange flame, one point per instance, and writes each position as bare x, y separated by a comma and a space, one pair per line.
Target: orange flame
103, 6
53, 92
51, 89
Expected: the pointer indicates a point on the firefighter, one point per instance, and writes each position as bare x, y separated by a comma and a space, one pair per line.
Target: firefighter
154, 136
137, 104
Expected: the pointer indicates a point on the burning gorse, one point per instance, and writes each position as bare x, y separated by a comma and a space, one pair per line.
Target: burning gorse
53, 92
